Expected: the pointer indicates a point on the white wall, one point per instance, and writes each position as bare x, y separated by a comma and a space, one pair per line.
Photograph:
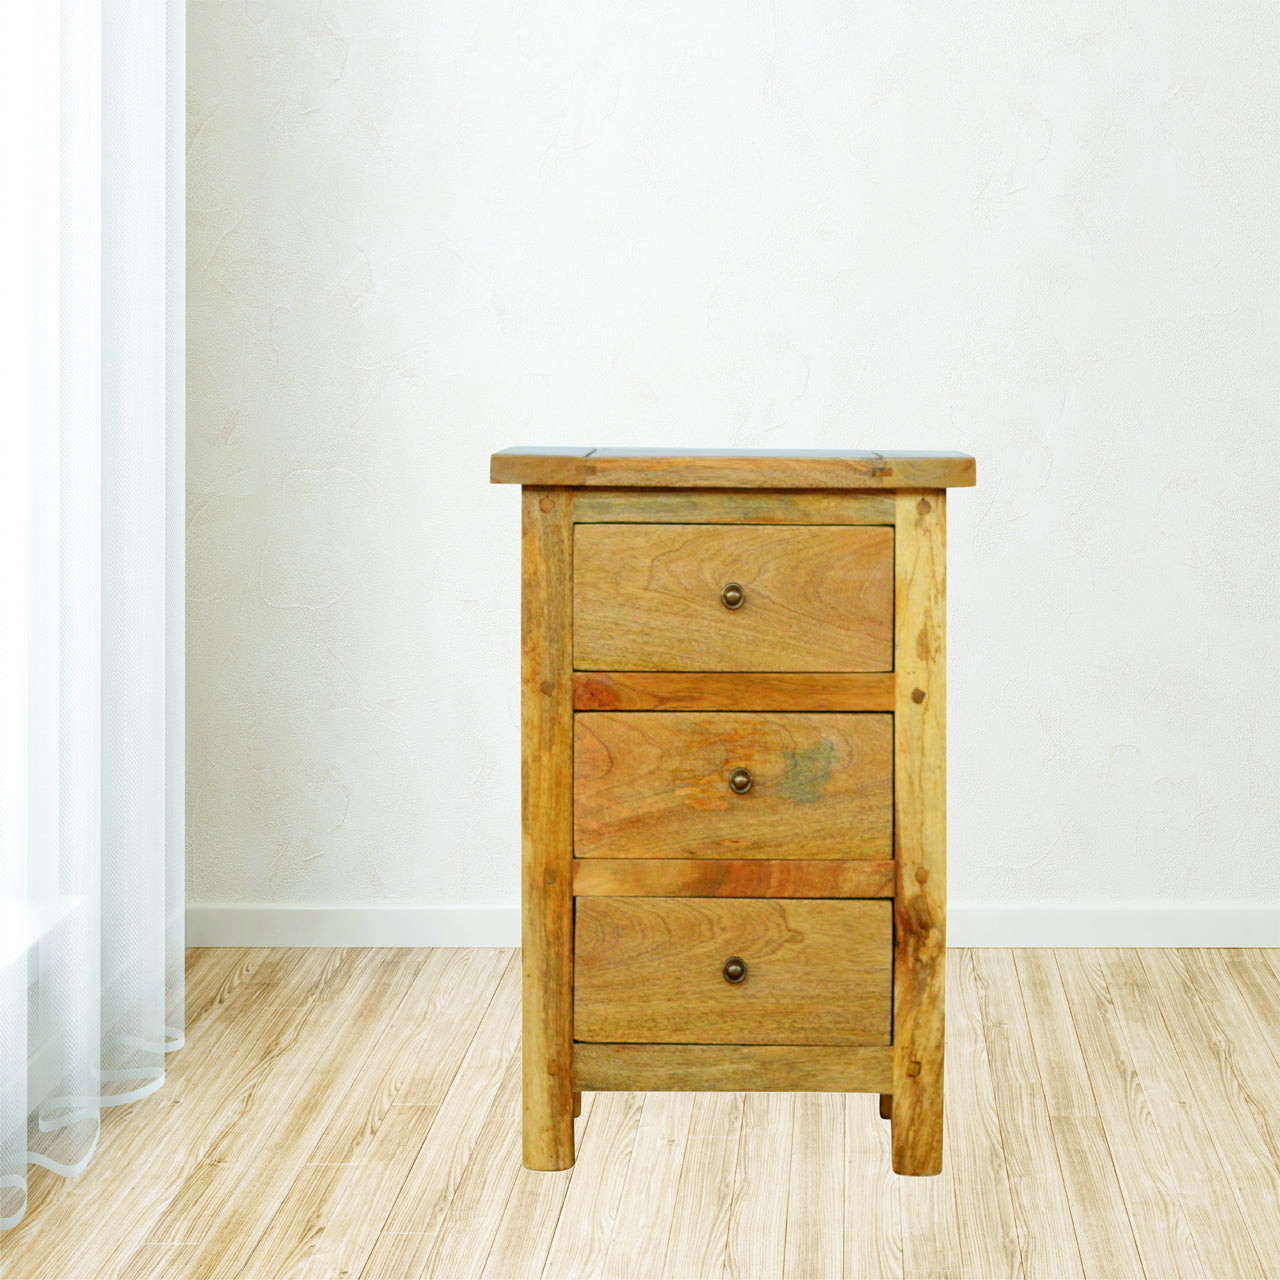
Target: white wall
1043, 233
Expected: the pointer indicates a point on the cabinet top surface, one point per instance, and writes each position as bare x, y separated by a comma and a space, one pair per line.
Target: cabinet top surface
730, 468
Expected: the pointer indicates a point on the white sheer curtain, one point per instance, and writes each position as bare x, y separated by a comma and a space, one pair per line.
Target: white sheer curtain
91, 570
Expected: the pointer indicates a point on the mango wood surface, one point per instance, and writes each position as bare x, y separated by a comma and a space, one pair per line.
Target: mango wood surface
730, 468
658, 785
732, 691
546, 746
649, 598
731, 506
920, 830
707, 878
736, 1067
817, 971
1195, 1038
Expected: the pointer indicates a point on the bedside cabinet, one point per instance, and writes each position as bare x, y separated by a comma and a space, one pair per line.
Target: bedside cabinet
734, 821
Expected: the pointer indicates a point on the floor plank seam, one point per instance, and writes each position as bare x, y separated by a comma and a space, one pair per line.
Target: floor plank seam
1062, 1176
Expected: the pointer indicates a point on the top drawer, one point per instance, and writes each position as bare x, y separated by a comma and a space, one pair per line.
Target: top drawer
659, 597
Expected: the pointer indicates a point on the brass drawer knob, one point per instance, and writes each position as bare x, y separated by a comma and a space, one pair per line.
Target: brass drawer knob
740, 781
732, 596
735, 969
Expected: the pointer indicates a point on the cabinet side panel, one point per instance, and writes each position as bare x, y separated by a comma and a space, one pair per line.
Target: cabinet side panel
920, 829
546, 744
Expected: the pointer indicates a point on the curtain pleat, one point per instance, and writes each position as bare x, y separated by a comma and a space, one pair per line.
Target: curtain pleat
91, 957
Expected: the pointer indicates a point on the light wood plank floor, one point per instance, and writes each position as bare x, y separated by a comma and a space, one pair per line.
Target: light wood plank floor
354, 1113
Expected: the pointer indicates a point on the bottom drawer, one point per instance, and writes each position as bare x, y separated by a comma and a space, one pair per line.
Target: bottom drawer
653, 970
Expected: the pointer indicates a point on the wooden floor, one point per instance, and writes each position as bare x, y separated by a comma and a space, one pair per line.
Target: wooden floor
348, 1113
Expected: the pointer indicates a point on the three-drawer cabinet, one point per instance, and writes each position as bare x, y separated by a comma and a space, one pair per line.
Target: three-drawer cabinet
733, 767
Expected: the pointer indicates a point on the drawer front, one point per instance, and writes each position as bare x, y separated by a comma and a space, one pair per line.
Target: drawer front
652, 598
666, 784
652, 971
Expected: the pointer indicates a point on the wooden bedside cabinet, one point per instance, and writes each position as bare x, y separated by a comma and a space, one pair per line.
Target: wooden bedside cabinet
734, 812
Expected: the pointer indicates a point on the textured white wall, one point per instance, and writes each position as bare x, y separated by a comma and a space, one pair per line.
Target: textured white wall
1044, 233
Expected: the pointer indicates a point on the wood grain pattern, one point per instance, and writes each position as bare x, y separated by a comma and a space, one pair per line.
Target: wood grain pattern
815, 1206
699, 1235
755, 1067
1041, 1210
140, 1174
1258, 983
732, 691
920, 830
594, 1198
527, 1221
377, 1148
157, 1262
1161, 1231
931, 1246
731, 506
435, 1022
142, 1169
716, 878
470, 1221
1194, 1037
658, 785
1104, 1230
432, 1179
1059, 1059
756, 1244
226, 1236
872, 1204
647, 598
730, 468
642, 1227
210, 1207
818, 971
984, 1211
1217, 1200
1230, 1074
546, 744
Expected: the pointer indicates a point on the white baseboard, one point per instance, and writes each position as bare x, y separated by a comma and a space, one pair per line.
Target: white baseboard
236, 924
1151, 925
245, 925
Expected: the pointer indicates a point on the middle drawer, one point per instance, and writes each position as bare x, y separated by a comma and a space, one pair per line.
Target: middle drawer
657, 784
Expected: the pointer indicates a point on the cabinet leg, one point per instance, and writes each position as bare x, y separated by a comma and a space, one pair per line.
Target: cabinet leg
886, 1106
919, 830
546, 748
548, 1121
917, 1117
